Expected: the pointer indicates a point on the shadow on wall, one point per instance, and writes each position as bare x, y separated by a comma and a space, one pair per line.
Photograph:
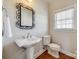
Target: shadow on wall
12, 51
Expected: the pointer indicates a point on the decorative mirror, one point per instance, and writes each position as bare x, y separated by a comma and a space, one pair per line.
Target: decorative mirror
24, 16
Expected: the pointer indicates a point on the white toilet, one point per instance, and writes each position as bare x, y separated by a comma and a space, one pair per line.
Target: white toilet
53, 48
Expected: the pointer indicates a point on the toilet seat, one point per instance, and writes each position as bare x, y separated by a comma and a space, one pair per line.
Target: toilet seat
54, 46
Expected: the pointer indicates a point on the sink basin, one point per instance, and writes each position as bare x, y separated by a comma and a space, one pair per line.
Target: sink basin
28, 42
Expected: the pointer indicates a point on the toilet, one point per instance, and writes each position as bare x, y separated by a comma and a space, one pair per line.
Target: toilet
53, 48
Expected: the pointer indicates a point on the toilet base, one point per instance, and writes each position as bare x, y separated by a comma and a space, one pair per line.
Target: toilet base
54, 53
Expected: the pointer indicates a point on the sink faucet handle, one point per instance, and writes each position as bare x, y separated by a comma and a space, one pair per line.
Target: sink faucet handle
23, 37
28, 34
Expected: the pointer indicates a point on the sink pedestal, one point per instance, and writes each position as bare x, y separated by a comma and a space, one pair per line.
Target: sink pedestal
28, 44
30, 53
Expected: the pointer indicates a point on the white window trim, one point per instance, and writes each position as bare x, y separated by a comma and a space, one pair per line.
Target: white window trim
62, 9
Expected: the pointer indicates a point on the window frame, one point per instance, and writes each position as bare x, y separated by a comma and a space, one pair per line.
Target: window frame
61, 10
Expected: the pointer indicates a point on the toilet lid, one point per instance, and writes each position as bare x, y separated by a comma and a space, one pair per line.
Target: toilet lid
53, 45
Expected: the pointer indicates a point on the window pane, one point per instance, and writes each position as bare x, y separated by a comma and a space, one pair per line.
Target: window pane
58, 22
69, 13
68, 25
58, 15
58, 26
63, 15
63, 22
68, 21
63, 26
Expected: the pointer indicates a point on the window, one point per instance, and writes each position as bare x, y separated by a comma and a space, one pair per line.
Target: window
64, 19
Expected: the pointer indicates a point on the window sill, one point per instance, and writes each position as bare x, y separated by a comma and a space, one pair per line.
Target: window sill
65, 30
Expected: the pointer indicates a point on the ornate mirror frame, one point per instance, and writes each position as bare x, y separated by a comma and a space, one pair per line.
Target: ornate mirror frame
18, 16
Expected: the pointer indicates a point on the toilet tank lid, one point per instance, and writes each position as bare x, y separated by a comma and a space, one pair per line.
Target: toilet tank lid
46, 36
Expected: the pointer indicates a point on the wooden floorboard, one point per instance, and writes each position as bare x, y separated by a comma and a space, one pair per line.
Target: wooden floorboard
45, 55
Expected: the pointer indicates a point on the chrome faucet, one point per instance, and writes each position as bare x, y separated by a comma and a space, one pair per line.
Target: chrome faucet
28, 35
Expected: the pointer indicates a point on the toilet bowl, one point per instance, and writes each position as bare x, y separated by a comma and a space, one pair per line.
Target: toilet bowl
53, 48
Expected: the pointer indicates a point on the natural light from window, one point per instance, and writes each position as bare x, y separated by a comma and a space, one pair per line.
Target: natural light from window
64, 19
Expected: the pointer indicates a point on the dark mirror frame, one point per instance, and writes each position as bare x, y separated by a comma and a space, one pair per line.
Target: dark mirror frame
18, 16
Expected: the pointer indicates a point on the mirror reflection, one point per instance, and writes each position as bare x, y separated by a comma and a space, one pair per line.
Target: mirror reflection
25, 17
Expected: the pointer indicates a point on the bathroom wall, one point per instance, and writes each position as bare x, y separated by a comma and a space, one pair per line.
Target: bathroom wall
41, 19
65, 38
10, 49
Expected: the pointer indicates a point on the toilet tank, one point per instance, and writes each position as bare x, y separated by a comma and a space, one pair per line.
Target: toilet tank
46, 39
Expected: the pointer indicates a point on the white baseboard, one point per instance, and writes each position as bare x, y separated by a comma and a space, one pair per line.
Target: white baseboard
63, 51
69, 53
39, 53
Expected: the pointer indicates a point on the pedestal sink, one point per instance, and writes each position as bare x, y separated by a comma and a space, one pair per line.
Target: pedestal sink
28, 43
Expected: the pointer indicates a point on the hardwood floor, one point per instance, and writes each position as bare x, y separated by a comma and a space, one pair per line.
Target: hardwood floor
45, 55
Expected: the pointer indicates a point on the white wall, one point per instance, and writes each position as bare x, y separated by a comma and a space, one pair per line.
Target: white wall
67, 39
41, 18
